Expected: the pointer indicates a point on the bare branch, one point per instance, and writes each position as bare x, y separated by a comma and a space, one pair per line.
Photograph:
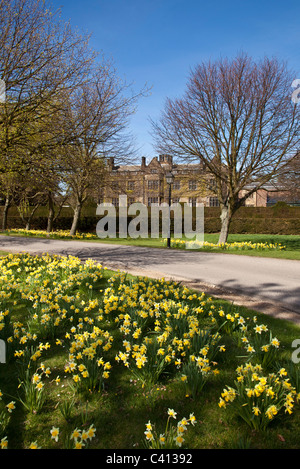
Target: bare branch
238, 118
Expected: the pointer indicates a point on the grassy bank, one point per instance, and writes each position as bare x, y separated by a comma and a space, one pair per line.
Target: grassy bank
96, 358
281, 246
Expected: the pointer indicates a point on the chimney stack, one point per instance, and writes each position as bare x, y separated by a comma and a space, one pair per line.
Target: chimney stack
111, 162
166, 159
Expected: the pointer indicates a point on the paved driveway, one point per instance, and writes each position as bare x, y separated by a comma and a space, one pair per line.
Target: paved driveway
260, 283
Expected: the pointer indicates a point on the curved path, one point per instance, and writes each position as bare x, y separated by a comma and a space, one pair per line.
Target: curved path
264, 284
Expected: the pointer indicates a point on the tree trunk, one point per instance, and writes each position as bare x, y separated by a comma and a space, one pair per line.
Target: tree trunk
225, 216
5, 212
52, 217
76, 218
30, 217
50, 213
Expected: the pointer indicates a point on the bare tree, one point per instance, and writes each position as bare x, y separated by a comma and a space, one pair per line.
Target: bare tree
238, 118
94, 125
40, 56
26, 191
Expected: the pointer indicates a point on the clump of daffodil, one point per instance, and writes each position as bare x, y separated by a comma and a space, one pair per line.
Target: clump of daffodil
86, 360
227, 321
160, 322
4, 443
5, 414
82, 438
244, 245
65, 234
173, 435
197, 371
258, 397
33, 388
260, 344
78, 439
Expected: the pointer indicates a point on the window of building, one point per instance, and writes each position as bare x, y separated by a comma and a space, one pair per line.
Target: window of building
153, 184
130, 185
115, 201
192, 201
176, 185
131, 200
152, 200
214, 202
212, 184
192, 185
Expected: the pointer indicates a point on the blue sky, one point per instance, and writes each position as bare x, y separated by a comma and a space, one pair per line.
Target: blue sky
158, 41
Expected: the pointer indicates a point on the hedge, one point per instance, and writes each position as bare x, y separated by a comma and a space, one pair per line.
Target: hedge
279, 219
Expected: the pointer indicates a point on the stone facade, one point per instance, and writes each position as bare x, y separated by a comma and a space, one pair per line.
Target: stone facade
146, 183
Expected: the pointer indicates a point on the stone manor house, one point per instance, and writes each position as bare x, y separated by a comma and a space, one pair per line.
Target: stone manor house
146, 183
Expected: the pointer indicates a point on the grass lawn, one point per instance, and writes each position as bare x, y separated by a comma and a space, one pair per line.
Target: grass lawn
291, 243
105, 354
